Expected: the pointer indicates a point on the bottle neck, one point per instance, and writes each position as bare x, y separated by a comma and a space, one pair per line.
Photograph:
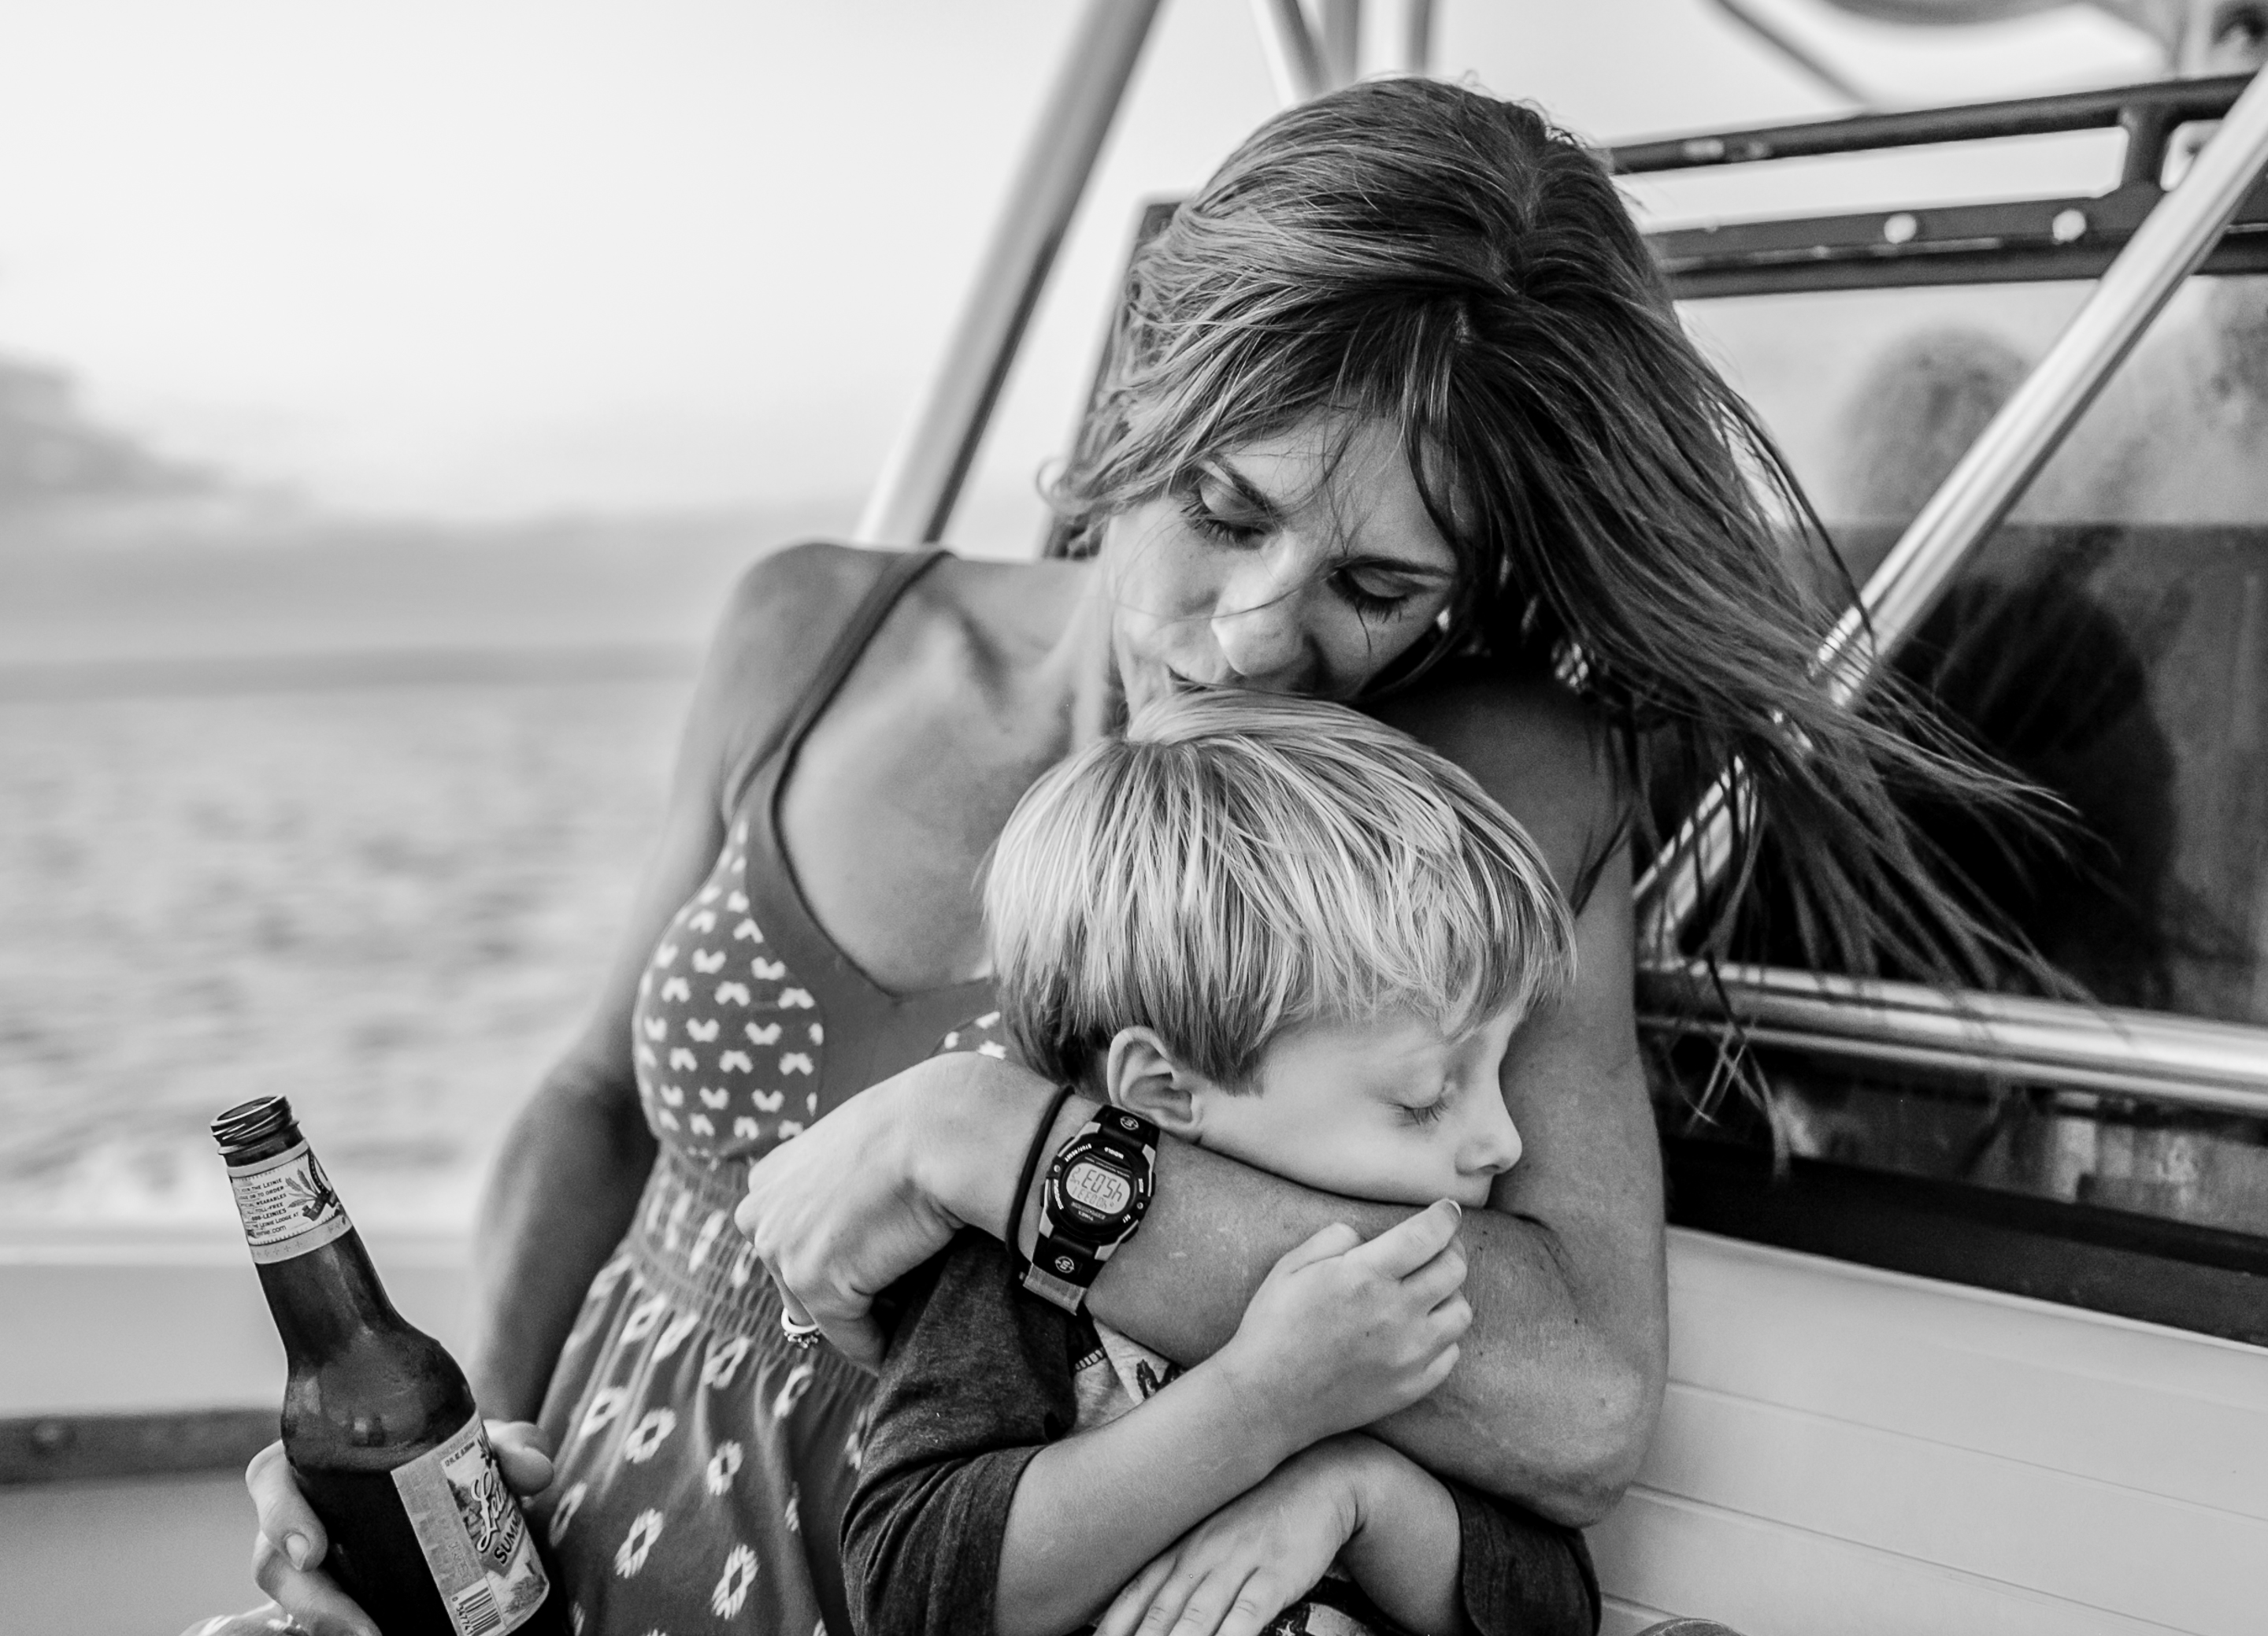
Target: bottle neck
326, 1299
322, 1286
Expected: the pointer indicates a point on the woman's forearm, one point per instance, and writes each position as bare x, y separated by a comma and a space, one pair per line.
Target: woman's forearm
1539, 1406
561, 1195
1553, 1397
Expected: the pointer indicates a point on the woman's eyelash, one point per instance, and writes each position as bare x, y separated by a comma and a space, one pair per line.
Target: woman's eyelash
1231, 531
1210, 523
1371, 601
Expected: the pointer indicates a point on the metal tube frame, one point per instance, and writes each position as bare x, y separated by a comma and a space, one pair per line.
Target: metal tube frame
1339, 32
2149, 114
2185, 1062
1295, 56
1986, 482
1794, 50
1413, 38
913, 501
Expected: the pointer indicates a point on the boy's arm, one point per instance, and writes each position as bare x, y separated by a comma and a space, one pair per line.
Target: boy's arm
1437, 1557
1092, 1510
960, 1524
977, 1380
977, 1511
1340, 1332
1427, 1555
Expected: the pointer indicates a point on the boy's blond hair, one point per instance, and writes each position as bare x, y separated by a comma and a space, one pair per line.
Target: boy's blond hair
1240, 864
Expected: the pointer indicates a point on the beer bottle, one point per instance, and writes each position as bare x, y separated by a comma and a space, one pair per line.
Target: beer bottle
379, 1424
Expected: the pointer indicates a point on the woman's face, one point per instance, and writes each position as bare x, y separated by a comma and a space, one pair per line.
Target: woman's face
1277, 567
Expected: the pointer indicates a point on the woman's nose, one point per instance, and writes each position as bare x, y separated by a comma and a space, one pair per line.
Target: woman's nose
1259, 624
1493, 1145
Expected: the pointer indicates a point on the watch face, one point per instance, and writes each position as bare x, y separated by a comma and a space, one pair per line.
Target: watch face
1097, 1189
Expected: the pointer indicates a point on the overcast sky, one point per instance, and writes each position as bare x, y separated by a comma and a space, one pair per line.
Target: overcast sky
487, 257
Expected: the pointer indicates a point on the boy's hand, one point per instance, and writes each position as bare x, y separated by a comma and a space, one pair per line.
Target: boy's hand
1252, 1558
1344, 1332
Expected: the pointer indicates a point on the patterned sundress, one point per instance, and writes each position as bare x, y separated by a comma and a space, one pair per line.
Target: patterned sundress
704, 1463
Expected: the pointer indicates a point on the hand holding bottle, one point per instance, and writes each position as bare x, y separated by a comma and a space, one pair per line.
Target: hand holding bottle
287, 1558
386, 1489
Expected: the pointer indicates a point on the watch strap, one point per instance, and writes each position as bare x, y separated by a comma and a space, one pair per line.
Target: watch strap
1045, 1284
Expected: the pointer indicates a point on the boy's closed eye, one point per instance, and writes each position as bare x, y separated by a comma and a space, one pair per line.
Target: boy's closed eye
1391, 1108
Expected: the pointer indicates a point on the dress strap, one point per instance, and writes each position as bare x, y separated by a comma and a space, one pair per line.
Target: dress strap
858, 632
873, 606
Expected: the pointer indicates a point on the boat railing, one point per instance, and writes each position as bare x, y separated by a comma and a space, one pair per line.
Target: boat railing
2169, 244
2173, 1061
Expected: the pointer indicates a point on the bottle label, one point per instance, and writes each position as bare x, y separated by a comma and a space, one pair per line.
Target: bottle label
287, 1205
475, 1541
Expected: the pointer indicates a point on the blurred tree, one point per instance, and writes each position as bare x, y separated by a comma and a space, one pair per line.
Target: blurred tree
52, 454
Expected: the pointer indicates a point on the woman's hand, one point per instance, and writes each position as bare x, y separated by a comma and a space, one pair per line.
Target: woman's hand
287, 1558
882, 1183
1252, 1558
1342, 1333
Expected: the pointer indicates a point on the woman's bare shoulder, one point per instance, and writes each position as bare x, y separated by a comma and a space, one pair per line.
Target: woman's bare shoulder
1552, 759
780, 621
789, 606
792, 601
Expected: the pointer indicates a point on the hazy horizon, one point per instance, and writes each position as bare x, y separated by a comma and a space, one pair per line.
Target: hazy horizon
540, 261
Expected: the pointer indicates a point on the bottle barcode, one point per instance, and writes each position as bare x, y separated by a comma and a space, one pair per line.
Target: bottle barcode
476, 1611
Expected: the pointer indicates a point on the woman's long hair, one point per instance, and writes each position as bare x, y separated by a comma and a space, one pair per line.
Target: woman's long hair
1455, 266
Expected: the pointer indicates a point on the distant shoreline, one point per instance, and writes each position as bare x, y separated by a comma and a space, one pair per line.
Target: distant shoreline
298, 673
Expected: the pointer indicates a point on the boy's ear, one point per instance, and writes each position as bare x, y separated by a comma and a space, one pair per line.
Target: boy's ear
1142, 1076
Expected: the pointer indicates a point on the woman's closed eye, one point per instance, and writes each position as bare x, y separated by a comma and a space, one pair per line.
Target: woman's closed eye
1226, 520
1372, 595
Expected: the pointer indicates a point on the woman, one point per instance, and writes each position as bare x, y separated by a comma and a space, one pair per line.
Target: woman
1399, 411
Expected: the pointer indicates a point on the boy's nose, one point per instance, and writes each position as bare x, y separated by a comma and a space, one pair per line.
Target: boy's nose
1492, 1145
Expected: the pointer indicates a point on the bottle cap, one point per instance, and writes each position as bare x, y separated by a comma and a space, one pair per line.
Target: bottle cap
248, 1122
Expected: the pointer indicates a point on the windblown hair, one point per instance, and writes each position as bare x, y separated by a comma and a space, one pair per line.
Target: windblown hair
1451, 264
1242, 863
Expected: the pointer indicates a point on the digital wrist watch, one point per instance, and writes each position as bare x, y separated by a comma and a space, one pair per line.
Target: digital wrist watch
1094, 1199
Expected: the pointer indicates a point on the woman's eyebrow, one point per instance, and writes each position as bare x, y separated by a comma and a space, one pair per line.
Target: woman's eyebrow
1224, 471
1250, 492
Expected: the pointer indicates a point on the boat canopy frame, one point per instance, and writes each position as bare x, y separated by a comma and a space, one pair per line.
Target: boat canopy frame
2218, 209
2140, 241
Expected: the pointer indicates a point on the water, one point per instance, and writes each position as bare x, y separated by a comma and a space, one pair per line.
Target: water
392, 903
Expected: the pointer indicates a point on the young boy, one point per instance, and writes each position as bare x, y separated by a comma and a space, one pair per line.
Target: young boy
1277, 929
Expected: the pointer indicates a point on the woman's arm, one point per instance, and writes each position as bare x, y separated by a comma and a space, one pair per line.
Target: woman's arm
1554, 1399
576, 1158
566, 1180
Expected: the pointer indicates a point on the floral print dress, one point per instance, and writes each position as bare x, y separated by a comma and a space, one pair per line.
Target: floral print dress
704, 1463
